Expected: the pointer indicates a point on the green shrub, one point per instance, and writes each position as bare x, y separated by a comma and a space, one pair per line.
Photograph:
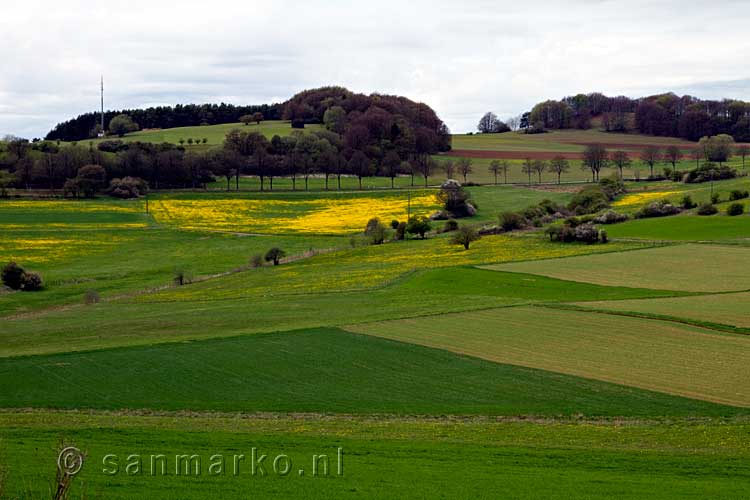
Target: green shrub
710, 171
401, 231
394, 224
450, 225
735, 209
738, 195
589, 200
420, 225
91, 297
688, 203
182, 277
375, 231
707, 209
715, 198
256, 260
12, 276
510, 221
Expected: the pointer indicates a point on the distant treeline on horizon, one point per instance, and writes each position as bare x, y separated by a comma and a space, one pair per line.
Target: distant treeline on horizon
667, 115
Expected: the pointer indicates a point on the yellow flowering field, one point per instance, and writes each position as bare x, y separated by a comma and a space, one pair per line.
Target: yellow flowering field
321, 216
379, 265
73, 205
44, 249
637, 199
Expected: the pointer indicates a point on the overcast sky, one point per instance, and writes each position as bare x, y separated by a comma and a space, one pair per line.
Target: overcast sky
462, 58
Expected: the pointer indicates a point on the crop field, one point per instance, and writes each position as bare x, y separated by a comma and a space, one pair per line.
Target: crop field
723, 311
692, 268
660, 356
543, 369
214, 134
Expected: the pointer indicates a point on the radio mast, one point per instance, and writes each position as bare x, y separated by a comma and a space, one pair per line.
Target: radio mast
101, 132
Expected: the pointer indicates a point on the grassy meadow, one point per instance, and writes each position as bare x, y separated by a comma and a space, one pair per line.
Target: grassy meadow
519, 368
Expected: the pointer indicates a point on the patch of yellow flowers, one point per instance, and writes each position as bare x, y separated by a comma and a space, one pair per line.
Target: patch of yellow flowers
316, 216
46, 249
636, 199
370, 267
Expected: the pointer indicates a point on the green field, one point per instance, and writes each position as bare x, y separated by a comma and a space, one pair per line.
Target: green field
323, 370
559, 141
520, 368
214, 134
408, 458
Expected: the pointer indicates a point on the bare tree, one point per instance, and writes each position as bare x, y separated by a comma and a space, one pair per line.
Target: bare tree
621, 160
528, 168
539, 167
673, 154
559, 165
449, 168
424, 165
494, 168
649, 156
513, 122
743, 150
594, 159
465, 167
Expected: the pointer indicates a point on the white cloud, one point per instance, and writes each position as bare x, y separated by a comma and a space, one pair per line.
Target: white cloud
461, 58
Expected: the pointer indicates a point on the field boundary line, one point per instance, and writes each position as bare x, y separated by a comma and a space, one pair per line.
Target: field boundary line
706, 325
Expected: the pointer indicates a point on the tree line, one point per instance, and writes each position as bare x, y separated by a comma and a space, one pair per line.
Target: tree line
363, 136
666, 114
88, 125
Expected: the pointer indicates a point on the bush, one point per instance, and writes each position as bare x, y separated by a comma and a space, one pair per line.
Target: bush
660, 208
182, 277
610, 217
455, 200
127, 187
275, 255
715, 198
586, 232
31, 282
589, 200
91, 297
12, 276
736, 209
707, 209
418, 225
394, 224
688, 203
709, 171
510, 221
738, 195
256, 260
375, 231
17, 278
401, 231
612, 186
450, 225
112, 146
